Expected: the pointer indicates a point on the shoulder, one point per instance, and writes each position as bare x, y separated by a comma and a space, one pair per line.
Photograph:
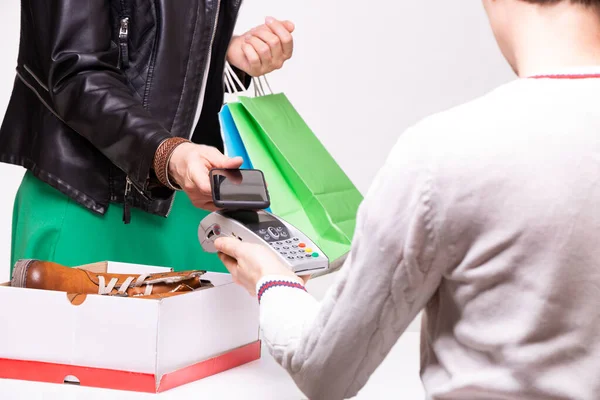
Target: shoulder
477, 114
462, 131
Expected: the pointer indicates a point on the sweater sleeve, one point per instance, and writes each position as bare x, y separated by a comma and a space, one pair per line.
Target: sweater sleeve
394, 267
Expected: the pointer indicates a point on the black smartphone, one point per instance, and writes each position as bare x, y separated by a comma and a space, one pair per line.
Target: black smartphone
239, 189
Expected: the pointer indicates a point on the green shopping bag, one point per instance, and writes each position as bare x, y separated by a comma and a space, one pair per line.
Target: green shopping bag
306, 186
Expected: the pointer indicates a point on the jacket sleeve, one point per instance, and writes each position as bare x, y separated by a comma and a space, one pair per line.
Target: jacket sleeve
394, 267
87, 89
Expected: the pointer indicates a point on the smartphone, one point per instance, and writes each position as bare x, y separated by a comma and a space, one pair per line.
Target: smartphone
239, 189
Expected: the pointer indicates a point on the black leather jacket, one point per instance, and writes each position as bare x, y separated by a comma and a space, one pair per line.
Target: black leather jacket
101, 83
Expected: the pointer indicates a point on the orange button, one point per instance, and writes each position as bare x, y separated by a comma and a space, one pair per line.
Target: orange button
302, 245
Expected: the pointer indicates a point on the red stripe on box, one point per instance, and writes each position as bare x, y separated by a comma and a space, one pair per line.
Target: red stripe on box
235, 358
124, 380
95, 377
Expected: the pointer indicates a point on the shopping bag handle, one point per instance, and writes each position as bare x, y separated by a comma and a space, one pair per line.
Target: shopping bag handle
258, 85
233, 82
232, 79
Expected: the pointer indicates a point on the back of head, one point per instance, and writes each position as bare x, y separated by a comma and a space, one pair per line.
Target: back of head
543, 34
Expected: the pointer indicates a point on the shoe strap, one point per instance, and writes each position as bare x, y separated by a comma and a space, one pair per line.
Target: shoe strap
103, 288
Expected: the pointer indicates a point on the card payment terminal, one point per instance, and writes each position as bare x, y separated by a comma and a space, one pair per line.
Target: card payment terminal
261, 227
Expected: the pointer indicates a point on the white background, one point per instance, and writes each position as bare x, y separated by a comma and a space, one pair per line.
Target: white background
362, 73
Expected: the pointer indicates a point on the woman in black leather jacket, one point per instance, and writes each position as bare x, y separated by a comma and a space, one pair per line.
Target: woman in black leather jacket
114, 110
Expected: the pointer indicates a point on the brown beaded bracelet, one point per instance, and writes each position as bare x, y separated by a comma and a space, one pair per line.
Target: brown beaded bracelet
162, 157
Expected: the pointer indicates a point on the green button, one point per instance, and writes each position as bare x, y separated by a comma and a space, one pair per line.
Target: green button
315, 255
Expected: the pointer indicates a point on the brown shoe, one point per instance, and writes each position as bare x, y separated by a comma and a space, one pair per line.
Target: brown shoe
35, 274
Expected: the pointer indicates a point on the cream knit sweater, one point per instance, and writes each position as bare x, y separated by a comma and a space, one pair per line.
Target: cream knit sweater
487, 217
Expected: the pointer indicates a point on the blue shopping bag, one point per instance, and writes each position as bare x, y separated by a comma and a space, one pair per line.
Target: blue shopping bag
234, 147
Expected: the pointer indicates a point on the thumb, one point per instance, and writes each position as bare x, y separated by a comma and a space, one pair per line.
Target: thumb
228, 246
289, 25
220, 160
233, 163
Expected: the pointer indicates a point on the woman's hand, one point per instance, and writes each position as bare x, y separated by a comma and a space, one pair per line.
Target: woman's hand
263, 49
248, 263
189, 167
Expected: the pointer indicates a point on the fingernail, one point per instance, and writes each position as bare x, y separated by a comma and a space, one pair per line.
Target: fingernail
248, 37
270, 20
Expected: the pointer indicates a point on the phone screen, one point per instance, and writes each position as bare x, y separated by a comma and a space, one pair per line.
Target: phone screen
243, 188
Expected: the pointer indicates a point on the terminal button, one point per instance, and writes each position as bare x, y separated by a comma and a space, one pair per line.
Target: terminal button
274, 234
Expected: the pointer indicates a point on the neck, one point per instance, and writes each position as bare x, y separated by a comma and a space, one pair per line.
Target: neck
556, 37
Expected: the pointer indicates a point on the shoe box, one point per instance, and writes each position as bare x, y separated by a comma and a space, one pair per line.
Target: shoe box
142, 345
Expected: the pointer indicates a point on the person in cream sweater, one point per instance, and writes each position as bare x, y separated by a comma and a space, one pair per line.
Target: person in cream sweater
491, 227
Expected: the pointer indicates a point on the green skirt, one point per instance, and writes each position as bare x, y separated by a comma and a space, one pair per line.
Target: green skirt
49, 226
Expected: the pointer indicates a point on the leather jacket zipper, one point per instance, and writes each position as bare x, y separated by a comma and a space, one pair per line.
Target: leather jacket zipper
124, 63
124, 43
127, 201
126, 205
